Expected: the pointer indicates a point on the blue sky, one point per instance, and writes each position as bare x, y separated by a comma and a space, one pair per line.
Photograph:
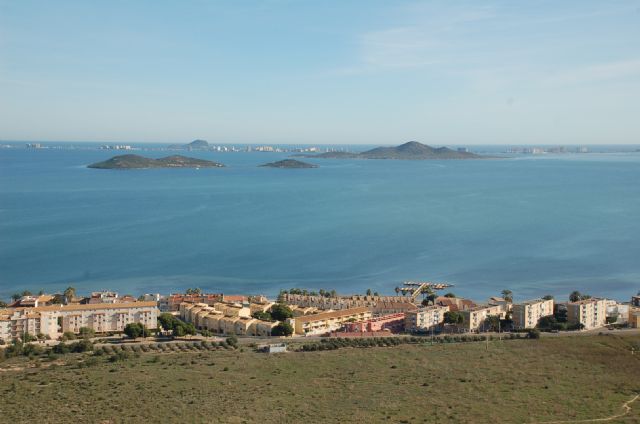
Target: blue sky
372, 72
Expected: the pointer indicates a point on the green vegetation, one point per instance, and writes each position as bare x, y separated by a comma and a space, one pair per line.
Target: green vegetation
178, 327
135, 330
282, 329
453, 317
278, 312
576, 296
510, 381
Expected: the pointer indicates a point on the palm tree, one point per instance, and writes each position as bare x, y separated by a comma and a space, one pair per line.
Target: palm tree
69, 294
397, 290
507, 295
368, 292
575, 296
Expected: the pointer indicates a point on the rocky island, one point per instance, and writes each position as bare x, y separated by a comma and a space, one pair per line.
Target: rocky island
289, 163
411, 150
140, 162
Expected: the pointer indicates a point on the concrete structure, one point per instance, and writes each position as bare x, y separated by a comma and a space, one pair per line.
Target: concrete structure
427, 318
325, 322
527, 314
32, 301
591, 313
474, 318
54, 320
393, 323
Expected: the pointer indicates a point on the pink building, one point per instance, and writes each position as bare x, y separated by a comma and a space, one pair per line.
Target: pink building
393, 323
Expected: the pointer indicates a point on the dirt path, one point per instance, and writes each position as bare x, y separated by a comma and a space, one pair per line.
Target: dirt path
626, 406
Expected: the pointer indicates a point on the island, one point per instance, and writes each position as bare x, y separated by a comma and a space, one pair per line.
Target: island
411, 150
194, 145
289, 163
141, 162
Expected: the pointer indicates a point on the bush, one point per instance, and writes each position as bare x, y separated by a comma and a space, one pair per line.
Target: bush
533, 333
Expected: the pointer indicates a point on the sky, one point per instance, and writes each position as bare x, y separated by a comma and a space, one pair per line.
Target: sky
321, 72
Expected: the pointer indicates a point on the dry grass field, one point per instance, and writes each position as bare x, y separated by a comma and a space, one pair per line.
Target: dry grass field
514, 381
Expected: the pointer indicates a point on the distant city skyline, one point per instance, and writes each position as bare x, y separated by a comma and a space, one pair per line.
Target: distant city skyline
348, 72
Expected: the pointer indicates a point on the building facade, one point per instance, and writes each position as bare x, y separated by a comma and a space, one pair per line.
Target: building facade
325, 322
393, 323
527, 314
425, 319
55, 320
590, 313
475, 318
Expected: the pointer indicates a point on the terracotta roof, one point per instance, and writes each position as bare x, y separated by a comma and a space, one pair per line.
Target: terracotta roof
332, 314
90, 307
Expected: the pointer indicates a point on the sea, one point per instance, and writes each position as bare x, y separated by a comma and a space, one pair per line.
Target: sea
533, 224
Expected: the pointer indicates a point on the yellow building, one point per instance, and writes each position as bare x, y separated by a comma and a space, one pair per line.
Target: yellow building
328, 321
527, 314
591, 313
475, 318
425, 319
634, 312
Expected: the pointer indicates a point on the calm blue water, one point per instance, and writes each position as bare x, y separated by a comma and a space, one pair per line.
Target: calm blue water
533, 225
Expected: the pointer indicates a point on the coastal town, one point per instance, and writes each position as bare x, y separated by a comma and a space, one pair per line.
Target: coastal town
416, 309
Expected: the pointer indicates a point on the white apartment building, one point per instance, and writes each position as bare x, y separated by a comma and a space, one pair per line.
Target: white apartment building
591, 313
474, 318
425, 319
55, 320
527, 314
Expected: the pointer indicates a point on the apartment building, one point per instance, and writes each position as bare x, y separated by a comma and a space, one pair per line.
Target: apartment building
224, 318
393, 323
527, 314
325, 322
54, 320
591, 313
427, 318
475, 318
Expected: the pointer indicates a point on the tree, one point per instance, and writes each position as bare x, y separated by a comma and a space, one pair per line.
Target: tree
262, 316
135, 330
449, 295
322, 292
507, 295
27, 293
87, 332
397, 289
280, 312
3, 304
194, 291
376, 294
453, 317
368, 292
333, 293
575, 296
282, 329
16, 296
69, 294
492, 323
547, 297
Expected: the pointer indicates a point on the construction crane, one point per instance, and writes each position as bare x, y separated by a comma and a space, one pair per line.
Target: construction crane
415, 288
